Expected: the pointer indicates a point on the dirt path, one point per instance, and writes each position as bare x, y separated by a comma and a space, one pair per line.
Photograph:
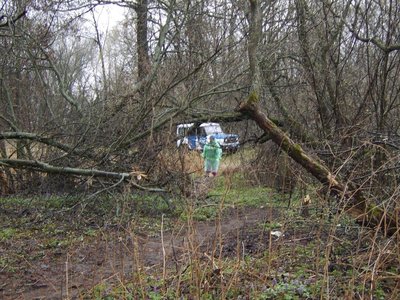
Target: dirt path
117, 254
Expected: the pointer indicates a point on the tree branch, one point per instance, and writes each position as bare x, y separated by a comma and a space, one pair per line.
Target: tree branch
381, 45
47, 168
15, 19
355, 203
44, 140
223, 117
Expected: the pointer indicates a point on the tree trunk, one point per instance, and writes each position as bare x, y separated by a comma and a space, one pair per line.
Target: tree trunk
350, 196
354, 202
142, 43
255, 31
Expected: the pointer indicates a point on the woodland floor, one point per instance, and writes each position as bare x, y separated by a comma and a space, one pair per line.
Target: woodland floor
85, 251
40, 271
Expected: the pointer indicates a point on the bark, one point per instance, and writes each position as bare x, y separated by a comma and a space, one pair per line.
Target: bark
147, 68
142, 43
11, 22
313, 76
353, 201
51, 169
350, 195
385, 47
218, 117
290, 124
47, 141
255, 31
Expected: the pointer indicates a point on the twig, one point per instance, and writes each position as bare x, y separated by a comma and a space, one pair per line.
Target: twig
107, 188
163, 247
66, 278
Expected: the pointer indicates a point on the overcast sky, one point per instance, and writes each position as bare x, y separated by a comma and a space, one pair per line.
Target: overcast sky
108, 16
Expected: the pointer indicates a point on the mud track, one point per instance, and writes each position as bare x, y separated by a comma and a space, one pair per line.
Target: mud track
118, 253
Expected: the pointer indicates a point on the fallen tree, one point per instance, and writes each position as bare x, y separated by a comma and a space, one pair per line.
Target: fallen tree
39, 166
350, 195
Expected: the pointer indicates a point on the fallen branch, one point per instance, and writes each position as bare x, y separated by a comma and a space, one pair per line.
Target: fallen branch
355, 203
45, 140
50, 169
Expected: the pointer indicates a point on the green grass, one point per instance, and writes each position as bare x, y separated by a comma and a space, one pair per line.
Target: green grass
7, 234
292, 268
238, 192
45, 202
242, 193
200, 213
8, 264
272, 226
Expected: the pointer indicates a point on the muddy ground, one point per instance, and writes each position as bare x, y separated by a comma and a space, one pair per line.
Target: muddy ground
38, 272
61, 249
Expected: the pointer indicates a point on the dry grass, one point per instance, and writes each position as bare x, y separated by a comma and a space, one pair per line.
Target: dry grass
189, 162
322, 254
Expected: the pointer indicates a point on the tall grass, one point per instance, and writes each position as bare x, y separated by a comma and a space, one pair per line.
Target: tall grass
150, 250
325, 255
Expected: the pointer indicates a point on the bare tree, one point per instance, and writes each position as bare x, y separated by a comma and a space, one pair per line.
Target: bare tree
320, 70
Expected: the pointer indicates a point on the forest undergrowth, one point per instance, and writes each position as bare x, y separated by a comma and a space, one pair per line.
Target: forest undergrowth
241, 240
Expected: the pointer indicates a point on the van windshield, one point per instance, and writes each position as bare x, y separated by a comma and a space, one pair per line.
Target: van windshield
182, 131
213, 129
